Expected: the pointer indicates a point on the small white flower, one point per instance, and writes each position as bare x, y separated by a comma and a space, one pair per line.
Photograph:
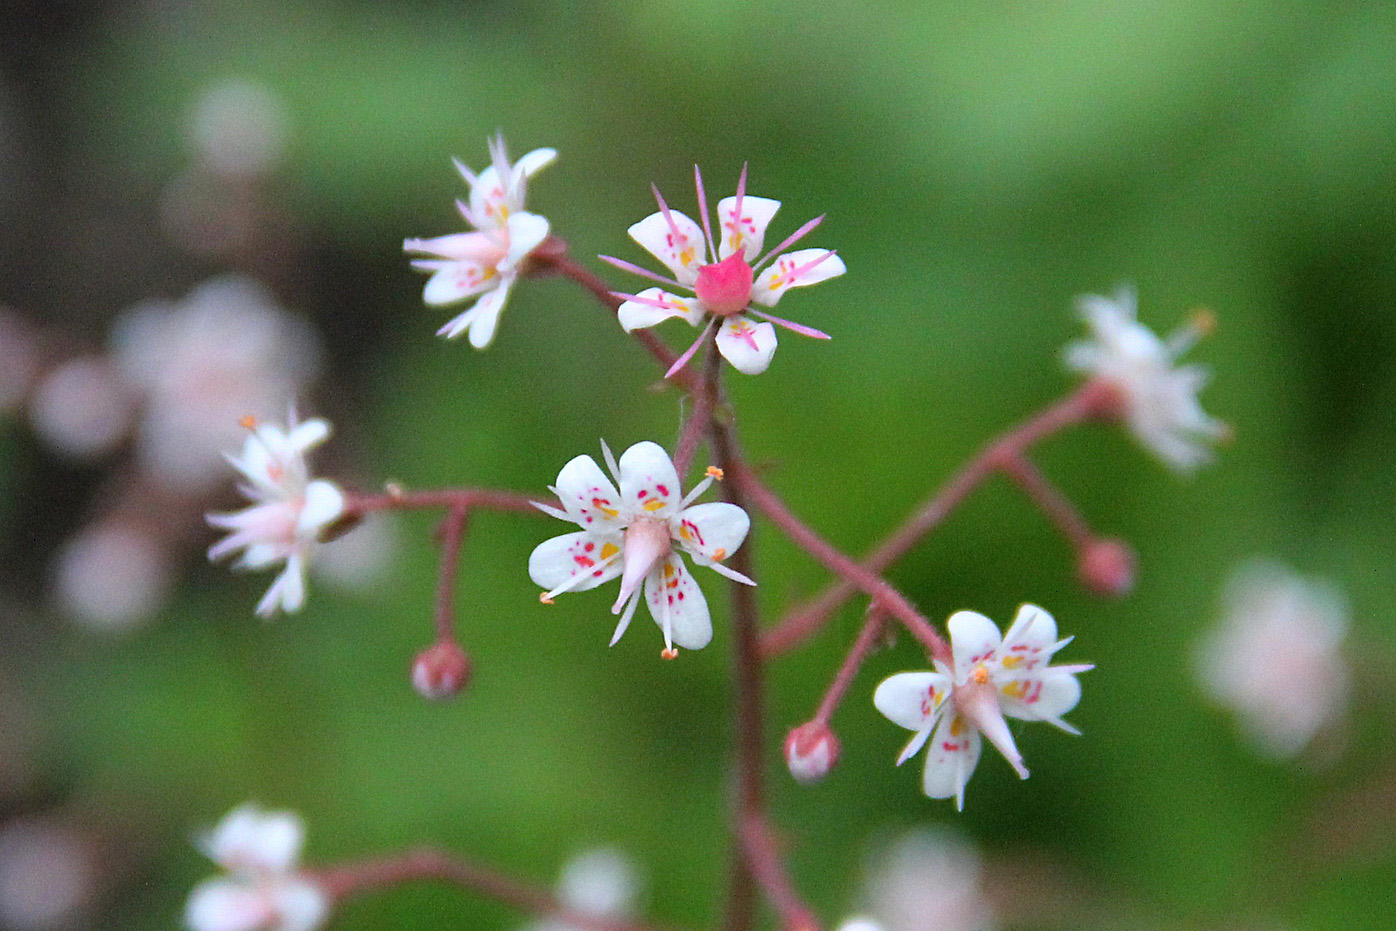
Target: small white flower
988, 677
288, 513
1159, 397
263, 889
484, 264
726, 287
1275, 657
598, 883
633, 534
927, 879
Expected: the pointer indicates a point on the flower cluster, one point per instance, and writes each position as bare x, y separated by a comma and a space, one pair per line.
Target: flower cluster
263, 889
988, 677
484, 263
289, 510
634, 533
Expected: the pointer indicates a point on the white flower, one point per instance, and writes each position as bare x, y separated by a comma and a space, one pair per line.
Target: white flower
484, 263
632, 534
263, 890
598, 883
1275, 657
725, 287
288, 512
1159, 397
927, 879
989, 677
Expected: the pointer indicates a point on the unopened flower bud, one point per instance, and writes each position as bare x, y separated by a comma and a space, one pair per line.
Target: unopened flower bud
440, 671
811, 750
1106, 567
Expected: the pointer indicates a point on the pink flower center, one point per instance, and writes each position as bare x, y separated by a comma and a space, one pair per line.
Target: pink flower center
725, 287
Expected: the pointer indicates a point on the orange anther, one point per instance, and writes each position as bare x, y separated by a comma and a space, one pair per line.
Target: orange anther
719, 554
715, 472
1203, 320
543, 597
668, 653
248, 422
980, 675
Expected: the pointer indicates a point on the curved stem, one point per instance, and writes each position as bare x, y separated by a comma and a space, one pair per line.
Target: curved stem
396, 499
872, 628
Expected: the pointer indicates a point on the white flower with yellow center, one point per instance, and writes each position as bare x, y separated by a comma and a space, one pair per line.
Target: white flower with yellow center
1159, 397
263, 889
639, 534
485, 263
289, 510
725, 275
989, 677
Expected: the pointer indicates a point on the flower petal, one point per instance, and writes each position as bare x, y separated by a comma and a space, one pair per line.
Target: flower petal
452, 282
489, 201
555, 562
1042, 696
710, 532
526, 231
951, 759
1030, 641
974, 639
300, 905
748, 232
747, 345
649, 486
795, 270
680, 248
480, 248
589, 497
487, 311
287, 592
677, 605
228, 905
654, 305
912, 700
535, 161
249, 840
324, 503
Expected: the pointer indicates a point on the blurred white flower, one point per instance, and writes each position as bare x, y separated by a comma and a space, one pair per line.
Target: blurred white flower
928, 880
598, 883
989, 677
112, 576
1275, 656
722, 276
358, 561
48, 875
288, 513
239, 127
263, 890
82, 408
633, 534
224, 352
1159, 397
485, 263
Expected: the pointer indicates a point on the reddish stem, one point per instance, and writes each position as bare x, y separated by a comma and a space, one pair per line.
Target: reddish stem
698, 422
857, 576
1092, 399
765, 860
1059, 510
872, 628
342, 882
453, 498
452, 538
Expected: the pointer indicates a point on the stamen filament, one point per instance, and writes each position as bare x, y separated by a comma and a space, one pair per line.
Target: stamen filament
703, 211
790, 324
682, 360
634, 269
790, 240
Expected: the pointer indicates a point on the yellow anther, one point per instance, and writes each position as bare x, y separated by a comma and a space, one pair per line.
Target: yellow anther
715, 472
668, 653
248, 423
1203, 321
543, 597
719, 554
980, 674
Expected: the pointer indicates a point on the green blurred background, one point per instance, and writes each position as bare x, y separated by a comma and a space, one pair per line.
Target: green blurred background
980, 164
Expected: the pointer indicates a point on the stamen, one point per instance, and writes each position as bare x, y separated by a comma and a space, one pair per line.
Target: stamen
1199, 324
247, 422
625, 618
703, 210
545, 599
790, 324
637, 270
655, 302
610, 461
682, 360
715, 472
470, 177
790, 240
668, 653
668, 217
695, 491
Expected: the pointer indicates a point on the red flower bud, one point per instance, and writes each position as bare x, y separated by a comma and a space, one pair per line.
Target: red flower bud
811, 750
1106, 567
440, 671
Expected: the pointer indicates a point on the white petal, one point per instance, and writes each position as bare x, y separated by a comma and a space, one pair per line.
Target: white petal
535, 161
649, 486
638, 314
953, 755
300, 906
912, 699
324, 503
475, 248
1044, 696
795, 270
711, 532
1030, 642
487, 310
526, 231
557, 561
489, 201
308, 434
673, 596
680, 248
251, 840
588, 495
747, 345
748, 232
228, 905
287, 592
456, 281
974, 639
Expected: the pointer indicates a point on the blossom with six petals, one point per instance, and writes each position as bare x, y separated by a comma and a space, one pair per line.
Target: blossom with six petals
485, 263
726, 287
988, 677
638, 534
289, 510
